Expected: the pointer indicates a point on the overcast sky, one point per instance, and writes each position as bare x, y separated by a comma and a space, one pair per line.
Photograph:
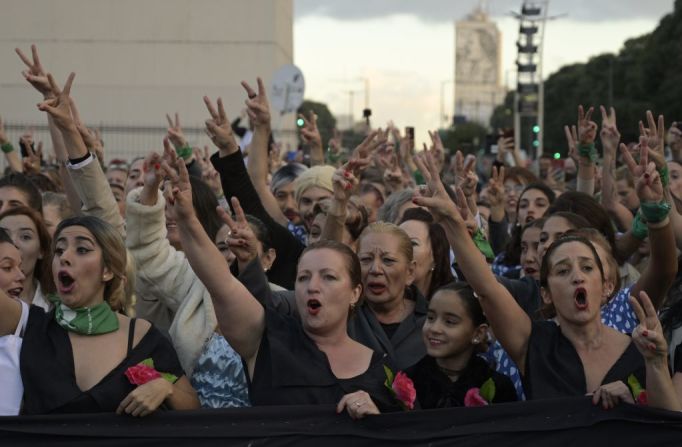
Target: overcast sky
406, 47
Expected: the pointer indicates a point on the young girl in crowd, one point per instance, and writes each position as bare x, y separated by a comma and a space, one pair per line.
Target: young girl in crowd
533, 203
452, 373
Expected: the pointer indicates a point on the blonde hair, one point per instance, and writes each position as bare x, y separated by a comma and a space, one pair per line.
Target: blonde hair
404, 242
320, 176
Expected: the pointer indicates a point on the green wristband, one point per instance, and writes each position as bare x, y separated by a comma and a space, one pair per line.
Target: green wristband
665, 176
483, 245
639, 229
589, 151
7, 148
418, 177
184, 152
654, 212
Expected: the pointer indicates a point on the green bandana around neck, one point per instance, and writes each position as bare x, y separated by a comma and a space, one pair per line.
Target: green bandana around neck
95, 320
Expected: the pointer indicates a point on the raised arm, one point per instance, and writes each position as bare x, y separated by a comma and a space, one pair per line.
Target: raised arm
240, 317
11, 155
662, 267
36, 76
610, 138
587, 153
258, 110
510, 323
311, 136
650, 341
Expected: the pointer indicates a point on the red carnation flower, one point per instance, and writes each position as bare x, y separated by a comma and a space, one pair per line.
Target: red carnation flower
404, 390
473, 398
141, 374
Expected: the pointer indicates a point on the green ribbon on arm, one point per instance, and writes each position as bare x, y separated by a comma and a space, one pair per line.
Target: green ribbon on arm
654, 212
184, 152
482, 244
589, 151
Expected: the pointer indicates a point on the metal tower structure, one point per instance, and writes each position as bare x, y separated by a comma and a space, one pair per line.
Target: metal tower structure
529, 95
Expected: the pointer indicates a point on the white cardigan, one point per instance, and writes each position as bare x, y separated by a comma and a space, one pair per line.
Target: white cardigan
165, 276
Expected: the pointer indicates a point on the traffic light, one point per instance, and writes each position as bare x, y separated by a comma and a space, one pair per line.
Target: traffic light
557, 156
300, 122
536, 129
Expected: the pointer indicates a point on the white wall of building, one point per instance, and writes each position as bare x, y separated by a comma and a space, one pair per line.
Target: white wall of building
136, 60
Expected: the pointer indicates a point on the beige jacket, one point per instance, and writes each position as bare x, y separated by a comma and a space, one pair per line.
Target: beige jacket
167, 287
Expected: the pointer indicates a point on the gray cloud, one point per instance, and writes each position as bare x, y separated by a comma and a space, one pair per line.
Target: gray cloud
450, 10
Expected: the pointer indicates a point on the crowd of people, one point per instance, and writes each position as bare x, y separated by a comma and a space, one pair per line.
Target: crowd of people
376, 278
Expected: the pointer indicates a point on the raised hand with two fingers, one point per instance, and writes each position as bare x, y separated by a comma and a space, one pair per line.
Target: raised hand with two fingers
654, 138
59, 105
218, 128
241, 239
258, 107
35, 74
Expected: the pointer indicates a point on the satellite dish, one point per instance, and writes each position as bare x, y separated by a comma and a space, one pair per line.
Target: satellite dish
288, 87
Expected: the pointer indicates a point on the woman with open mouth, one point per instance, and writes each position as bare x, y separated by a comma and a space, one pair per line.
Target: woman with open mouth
394, 310
580, 354
12, 283
78, 357
306, 360
27, 229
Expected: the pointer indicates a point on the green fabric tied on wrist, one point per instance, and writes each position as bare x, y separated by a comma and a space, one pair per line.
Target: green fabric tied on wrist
654, 212
589, 151
7, 148
184, 152
639, 229
482, 244
418, 177
665, 176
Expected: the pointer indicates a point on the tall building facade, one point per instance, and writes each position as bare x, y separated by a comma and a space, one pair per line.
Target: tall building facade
136, 60
478, 67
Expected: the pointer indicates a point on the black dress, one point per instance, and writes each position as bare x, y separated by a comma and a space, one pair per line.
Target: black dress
291, 370
554, 368
436, 390
47, 369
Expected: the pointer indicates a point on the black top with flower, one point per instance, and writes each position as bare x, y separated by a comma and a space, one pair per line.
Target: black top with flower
554, 368
47, 369
291, 370
436, 390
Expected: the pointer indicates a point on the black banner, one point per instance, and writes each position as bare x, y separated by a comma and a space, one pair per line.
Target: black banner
549, 423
